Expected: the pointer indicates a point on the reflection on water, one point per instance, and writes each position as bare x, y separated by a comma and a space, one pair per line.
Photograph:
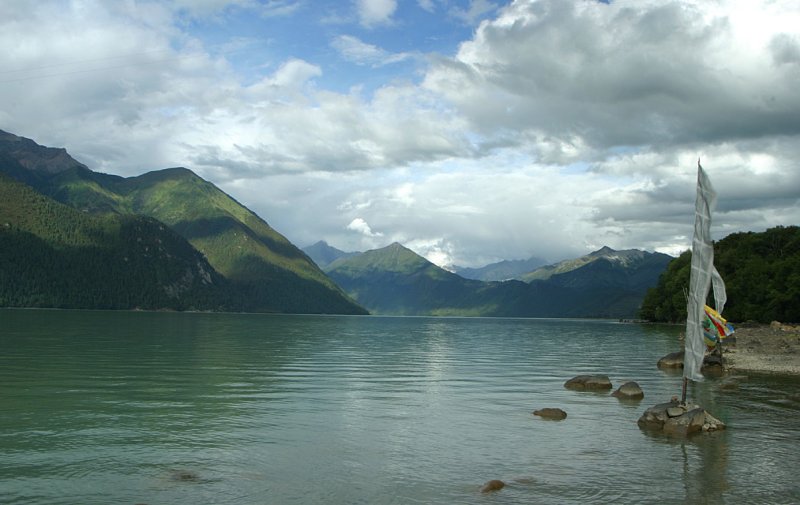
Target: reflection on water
223, 408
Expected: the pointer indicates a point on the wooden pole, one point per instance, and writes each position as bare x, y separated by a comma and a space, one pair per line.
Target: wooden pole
683, 391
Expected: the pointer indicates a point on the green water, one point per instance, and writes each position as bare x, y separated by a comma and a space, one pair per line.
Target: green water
166, 408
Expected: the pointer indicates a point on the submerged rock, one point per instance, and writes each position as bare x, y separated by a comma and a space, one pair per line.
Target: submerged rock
729, 384
184, 476
589, 383
550, 413
493, 485
629, 391
674, 419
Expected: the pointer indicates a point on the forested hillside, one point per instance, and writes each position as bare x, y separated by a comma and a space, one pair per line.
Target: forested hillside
261, 269
395, 280
761, 273
270, 271
54, 256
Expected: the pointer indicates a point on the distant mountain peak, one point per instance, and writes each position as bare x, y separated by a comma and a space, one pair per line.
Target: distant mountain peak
500, 271
603, 251
323, 254
624, 258
35, 157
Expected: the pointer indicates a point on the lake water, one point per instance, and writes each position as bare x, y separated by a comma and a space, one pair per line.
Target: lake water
171, 408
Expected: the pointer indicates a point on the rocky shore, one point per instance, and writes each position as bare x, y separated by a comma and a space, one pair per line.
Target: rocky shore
773, 348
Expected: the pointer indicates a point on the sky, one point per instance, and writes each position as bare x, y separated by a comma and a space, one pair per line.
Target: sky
470, 131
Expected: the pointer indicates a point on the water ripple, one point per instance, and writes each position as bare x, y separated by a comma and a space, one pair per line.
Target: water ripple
101, 407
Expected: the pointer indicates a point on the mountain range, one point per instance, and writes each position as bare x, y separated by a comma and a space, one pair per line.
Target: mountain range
168, 239
395, 280
55, 206
500, 271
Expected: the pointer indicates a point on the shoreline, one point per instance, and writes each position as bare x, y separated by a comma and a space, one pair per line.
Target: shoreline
772, 349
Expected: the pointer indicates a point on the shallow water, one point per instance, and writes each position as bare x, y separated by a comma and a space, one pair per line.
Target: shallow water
122, 407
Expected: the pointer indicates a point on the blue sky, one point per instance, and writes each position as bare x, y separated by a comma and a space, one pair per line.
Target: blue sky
470, 131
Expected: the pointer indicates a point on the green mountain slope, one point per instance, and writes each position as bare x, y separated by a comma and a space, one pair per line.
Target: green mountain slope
632, 260
54, 256
395, 280
269, 272
761, 273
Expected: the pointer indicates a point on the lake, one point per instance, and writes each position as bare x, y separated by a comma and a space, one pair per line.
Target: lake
187, 408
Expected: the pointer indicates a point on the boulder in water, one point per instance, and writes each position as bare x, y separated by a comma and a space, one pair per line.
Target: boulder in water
671, 360
589, 383
493, 485
550, 413
711, 362
629, 391
675, 419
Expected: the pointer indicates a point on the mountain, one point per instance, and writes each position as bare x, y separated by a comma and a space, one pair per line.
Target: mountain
323, 254
395, 280
266, 270
501, 271
622, 258
761, 271
632, 268
34, 161
605, 281
54, 256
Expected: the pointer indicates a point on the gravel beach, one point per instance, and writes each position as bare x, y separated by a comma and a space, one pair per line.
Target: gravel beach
773, 348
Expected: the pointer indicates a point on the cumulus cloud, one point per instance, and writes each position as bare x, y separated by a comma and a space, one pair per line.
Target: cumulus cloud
619, 75
360, 226
555, 128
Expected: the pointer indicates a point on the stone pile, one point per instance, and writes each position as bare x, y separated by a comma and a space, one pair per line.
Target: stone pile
676, 419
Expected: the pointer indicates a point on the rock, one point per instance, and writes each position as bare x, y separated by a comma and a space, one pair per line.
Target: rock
671, 360
675, 411
629, 391
686, 424
589, 383
678, 420
551, 413
655, 417
712, 423
675, 360
493, 485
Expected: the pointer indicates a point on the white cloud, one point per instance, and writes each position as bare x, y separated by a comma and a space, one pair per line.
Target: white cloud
375, 12
427, 5
360, 226
361, 53
558, 127
620, 74
276, 8
209, 7
476, 10
294, 73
